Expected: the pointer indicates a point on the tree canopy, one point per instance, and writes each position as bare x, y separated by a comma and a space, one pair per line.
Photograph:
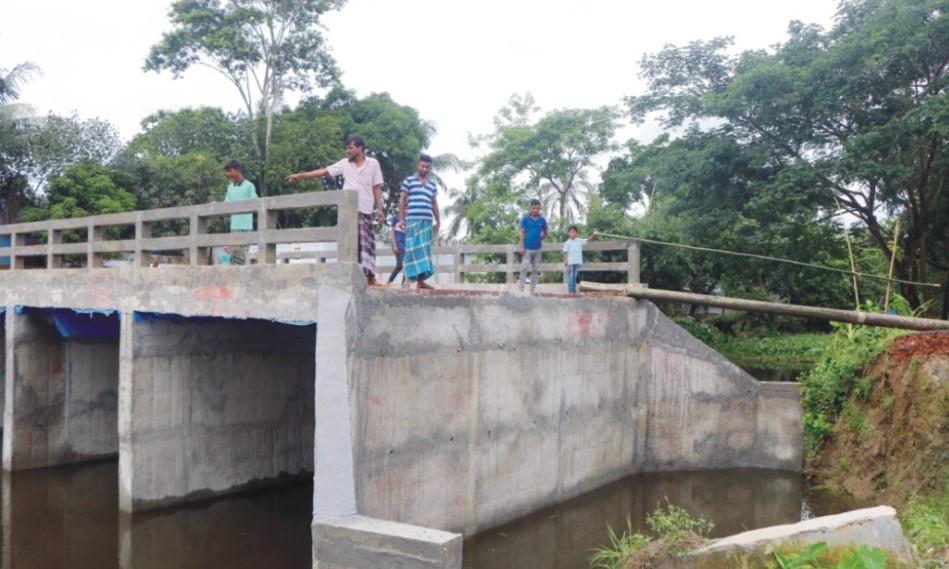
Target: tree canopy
550, 158
264, 48
855, 116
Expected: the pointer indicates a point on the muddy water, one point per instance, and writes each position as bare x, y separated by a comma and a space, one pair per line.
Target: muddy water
563, 537
67, 518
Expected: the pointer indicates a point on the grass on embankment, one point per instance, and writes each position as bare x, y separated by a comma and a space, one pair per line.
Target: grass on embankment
779, 352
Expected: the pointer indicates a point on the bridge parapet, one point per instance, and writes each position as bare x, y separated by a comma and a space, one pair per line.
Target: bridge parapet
106, 235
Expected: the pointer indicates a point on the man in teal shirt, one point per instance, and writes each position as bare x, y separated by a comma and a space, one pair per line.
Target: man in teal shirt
240, 189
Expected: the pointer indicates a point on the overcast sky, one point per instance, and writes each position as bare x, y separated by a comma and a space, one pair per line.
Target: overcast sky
456, 61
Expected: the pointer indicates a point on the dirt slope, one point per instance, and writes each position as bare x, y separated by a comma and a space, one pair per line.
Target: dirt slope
897, 441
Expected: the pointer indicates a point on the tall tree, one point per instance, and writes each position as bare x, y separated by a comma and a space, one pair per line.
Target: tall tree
550, 158
264, 48
858, 115
708, 190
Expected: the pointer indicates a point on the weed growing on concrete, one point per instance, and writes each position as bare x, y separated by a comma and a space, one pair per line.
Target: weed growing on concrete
677, 533
620, 549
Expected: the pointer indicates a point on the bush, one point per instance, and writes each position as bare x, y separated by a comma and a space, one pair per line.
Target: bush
837, 377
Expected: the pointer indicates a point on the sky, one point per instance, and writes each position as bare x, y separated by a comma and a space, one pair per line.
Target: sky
457, 62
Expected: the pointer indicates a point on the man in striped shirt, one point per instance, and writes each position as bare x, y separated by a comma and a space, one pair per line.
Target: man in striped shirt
418, 215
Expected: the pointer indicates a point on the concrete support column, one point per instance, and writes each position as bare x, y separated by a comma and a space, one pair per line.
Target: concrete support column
60, 403
212, 406
3, 362
342, 538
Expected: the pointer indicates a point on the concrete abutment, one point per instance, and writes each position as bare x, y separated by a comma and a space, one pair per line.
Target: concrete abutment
212, 406
461, 412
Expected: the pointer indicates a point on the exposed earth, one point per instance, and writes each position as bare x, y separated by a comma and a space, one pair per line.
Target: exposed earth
896, 442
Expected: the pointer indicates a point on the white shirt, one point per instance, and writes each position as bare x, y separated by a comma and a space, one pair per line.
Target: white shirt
359, 179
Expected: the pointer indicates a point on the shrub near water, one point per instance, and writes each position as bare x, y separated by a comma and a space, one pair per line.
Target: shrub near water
676, 531
837, 377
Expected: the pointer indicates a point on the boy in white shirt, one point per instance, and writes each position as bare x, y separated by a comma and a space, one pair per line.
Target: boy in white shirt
573, 256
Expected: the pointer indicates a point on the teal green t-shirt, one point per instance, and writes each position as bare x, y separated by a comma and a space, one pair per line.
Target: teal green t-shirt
243, 191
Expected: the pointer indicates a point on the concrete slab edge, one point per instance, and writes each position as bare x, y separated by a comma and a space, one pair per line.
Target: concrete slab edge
875, 527
356, 542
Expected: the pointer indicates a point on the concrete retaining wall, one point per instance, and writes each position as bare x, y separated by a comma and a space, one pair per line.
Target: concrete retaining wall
212, 408
468, 411
61, 396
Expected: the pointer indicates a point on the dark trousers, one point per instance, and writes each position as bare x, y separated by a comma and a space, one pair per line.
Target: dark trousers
398, 266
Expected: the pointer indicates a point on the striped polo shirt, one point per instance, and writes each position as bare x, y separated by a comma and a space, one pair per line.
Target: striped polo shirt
419, 199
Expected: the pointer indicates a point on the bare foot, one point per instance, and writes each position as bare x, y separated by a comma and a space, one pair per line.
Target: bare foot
422, 286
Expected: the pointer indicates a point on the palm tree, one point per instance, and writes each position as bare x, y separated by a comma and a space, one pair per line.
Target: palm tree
10, 82
444, 162
461, 225
13, 117
566, 200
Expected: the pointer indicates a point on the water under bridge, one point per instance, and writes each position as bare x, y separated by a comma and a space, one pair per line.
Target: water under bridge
420, 416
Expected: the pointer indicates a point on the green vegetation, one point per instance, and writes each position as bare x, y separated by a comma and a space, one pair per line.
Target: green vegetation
798, 352
675, 532
926, 523
861, 557
837, 377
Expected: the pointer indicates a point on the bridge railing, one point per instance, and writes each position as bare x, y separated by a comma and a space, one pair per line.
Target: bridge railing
460, 260
42, 241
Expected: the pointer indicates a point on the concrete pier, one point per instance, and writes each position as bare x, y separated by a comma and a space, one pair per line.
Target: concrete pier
213, 406
61, 395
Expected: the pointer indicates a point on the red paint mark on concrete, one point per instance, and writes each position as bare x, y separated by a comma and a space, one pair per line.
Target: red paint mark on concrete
580, 324
56, 367
214, 295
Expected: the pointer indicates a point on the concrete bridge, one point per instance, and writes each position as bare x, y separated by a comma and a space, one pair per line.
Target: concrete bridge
421, 417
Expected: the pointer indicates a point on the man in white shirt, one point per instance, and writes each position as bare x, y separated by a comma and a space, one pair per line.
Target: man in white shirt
363, 175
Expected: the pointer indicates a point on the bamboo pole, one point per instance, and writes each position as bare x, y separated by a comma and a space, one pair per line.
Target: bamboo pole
889, 280
853, 269
834, 314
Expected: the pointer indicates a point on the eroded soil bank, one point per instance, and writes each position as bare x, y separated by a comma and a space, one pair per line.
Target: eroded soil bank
892, 440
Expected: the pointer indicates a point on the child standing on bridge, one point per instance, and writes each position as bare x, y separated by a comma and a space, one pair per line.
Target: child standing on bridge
573, 256
533, 233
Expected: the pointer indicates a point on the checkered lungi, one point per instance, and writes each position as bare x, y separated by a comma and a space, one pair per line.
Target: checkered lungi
367, 244
418, 249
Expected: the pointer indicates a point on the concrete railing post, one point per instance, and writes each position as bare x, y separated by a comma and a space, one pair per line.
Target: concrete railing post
347, 227
509, 277
53, 260
266, 220
143, 230
17, 240
94, 235
198, 255
459, 260
632, 256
